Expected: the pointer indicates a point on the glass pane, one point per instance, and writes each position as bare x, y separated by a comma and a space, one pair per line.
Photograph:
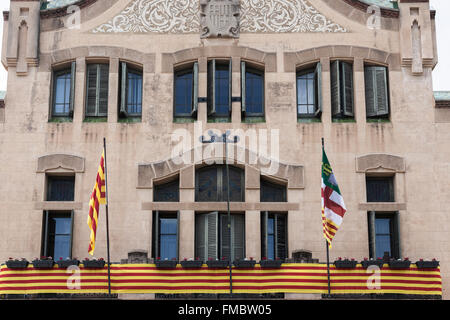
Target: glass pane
311, 92
302, 92
382, 226
168, 247
60, 188
383, 244
235, 184
270, 247
60, 89
61, 247
168, 226
270, 226
380, 189
271, 192
207, 184
62, 225
183, 93
168, 192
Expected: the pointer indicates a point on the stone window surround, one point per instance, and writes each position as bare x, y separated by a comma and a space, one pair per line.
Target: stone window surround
59, 164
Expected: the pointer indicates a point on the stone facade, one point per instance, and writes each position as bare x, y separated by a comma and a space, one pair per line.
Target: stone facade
412, 145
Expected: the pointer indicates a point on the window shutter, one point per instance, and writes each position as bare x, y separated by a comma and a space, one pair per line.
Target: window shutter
156, 235
91, 100
45, 234
372, 241
178, 235
264, 218
318, 81
211, 233
123, 89
370, 89
230, 82
243, 85
335, 89
72, 215
195, 90
201, 236
382, 91
347, 88
280, 228
211, 87
396, 250
103, 90
225, 236
72, 87
238, 237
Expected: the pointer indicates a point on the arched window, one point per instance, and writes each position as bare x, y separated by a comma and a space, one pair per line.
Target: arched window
211, 184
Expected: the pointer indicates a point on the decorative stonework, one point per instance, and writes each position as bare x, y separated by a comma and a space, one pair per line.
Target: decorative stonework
186, 16
219, 18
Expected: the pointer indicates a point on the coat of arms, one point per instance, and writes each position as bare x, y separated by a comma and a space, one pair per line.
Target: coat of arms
220, 18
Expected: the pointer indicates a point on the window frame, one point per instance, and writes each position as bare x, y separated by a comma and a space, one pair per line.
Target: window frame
276, 216
45, 236
220, 176
71, 71
391, 185
97, 113
272, 185
249, 68
377, 114
49, 178
340, 108
211, 89
194, 99
167, 184
315, 69
394, 233
156, 234
124, 107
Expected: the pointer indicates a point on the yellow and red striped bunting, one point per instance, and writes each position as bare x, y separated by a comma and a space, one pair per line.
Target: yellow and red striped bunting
97, 197
290, 278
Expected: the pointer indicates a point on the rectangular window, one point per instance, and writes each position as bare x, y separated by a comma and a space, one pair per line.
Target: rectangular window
131, 91
252, 91
63, 92
165, 235
341, 89
273, 235
97, 90
60, 188
167, 192
377, 91
272, 192
219, 89
57, 234
383, 235
309, 92
211, 184
212, 237
380, 189
186, 92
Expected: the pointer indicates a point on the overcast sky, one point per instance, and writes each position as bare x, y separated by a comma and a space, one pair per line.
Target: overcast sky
441, 77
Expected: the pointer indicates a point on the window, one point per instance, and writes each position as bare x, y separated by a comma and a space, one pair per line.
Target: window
341, 89
63, 92
383, 235
212, 237
167, 192
60, 188
165, 235
309, 92
377, 91
97, 90
186, 92
252, 90
273, 235
272, 192
131, 91
211, 184
57, 234
380, 189
219, 89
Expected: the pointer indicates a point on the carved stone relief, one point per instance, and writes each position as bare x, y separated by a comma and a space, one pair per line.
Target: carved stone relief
196, 16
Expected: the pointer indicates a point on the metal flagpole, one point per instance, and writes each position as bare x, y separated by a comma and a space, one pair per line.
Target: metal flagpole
225, 138
326, 243
107, 222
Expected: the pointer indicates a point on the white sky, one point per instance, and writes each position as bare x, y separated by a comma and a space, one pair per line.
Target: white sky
441, 76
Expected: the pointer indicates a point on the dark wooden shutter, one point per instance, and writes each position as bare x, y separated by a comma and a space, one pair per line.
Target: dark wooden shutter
103, 90
243, 86
281, 241
201, 236
318, 85
347, 89
195, 90
377, 95
264, 218
335, 89
72, 87
156, 234
230, 84
238, 239
45, 234
211, 231
123, 89
211, 87
370, 89
382, 91
178, 235
225, 237
72, 216
91, 82
396, 251
372, 235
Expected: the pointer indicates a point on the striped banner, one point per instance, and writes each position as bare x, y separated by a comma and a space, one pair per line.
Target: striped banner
97, 198
290, 278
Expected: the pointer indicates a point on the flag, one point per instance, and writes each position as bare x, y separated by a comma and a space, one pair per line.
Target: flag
333, 206
97, 197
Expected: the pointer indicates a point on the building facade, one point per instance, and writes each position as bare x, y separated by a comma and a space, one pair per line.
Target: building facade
159, 78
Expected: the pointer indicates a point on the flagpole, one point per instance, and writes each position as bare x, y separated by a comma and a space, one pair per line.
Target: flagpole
326, 245
107, 222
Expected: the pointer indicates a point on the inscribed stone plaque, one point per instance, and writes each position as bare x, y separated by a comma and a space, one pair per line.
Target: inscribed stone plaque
220, 18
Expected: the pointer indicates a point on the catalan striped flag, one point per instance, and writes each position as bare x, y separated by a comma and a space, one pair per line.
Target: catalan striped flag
333, 206
97, 197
